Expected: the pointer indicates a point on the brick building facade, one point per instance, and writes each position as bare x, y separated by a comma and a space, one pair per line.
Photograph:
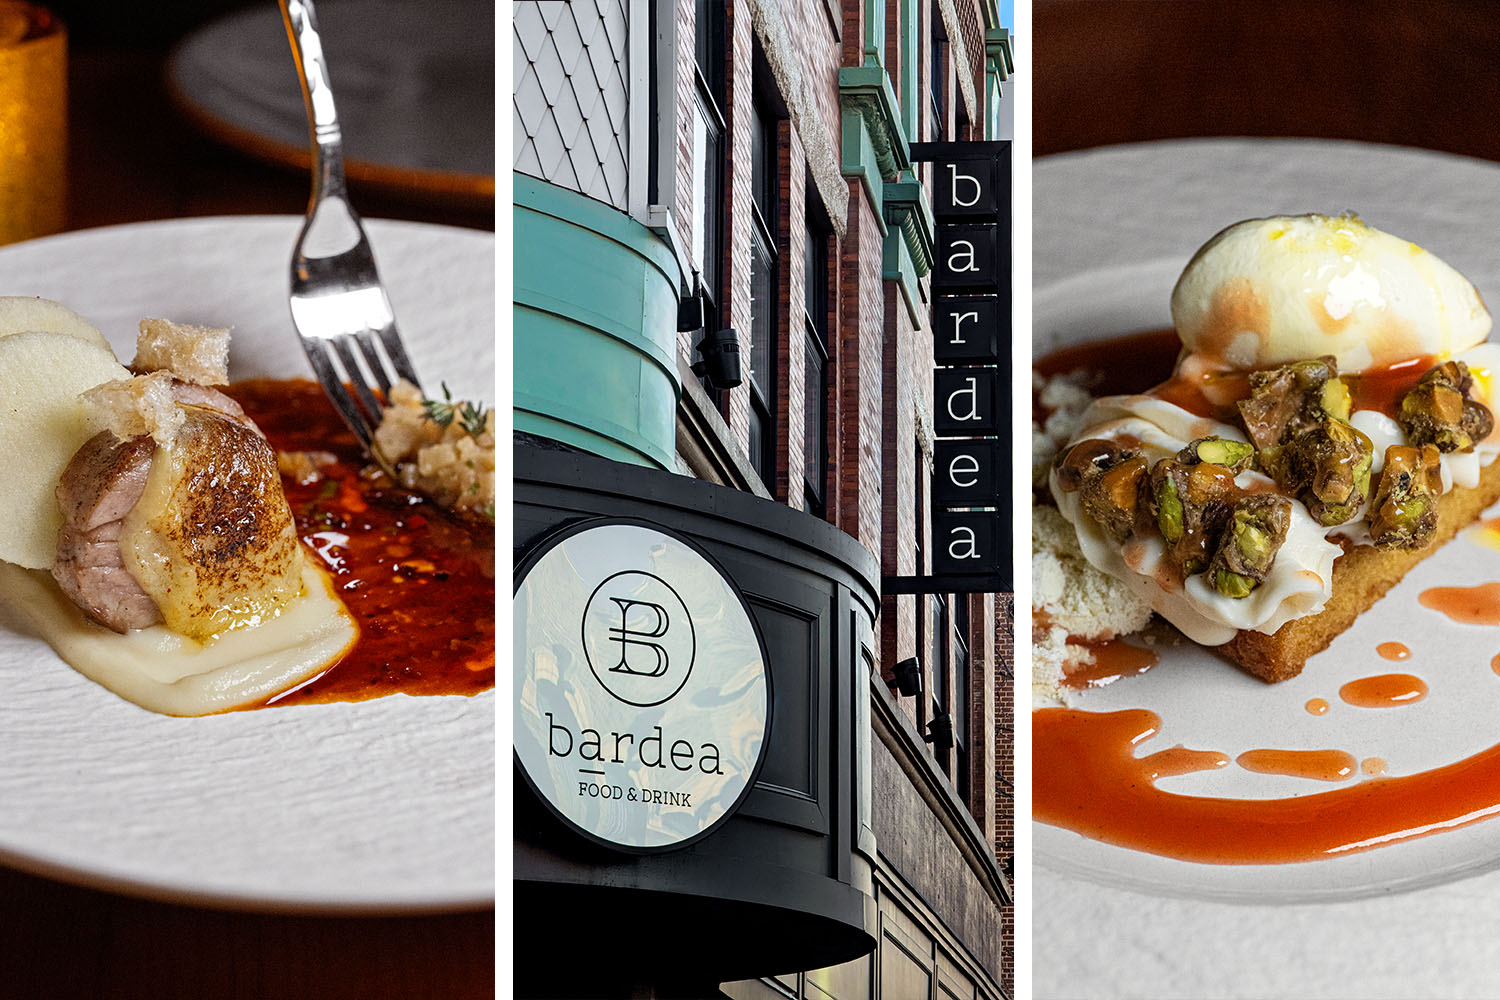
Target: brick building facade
778, 177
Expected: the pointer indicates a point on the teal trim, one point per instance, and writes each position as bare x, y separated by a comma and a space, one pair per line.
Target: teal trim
595, 318
991, 11
866, 91
907, 208
874, 32
897, 265
859, 160
910, 104
997, 52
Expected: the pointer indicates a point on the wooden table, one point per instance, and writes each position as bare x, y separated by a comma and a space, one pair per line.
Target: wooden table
133, 159
1390, 71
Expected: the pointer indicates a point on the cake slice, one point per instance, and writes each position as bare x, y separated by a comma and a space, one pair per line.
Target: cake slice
1328, 426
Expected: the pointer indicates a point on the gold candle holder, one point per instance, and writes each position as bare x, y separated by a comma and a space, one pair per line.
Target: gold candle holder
33, 121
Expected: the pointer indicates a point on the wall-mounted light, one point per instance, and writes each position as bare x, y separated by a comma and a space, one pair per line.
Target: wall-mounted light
940, 733
692, 313
720, 351
906, 677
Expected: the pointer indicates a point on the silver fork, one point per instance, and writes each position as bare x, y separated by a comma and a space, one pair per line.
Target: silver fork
338, 303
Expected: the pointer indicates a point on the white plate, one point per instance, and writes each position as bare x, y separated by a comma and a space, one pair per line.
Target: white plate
1112, 229
415, 85
384, 805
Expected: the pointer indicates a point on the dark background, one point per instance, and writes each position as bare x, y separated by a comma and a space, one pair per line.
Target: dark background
1414, 72
134, 156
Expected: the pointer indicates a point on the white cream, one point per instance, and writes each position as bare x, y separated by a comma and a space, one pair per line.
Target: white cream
169, 673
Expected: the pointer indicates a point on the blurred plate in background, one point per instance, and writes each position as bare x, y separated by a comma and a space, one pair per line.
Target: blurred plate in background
415, 86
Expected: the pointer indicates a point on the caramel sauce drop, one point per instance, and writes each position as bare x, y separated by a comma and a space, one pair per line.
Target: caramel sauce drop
1381, 389
1478, 605
1113, 659
1495, 664
1316, 706
1374, 766
1393, 651
1085, 779
1180, 760
1384, 691
1319, 765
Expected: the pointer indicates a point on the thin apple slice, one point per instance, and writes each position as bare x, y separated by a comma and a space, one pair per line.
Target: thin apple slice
43, 422
26, 313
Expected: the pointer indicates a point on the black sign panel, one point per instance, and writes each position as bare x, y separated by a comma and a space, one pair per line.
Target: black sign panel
965, 402
969, 260
967, 543
967, 331
966, 473
971, 179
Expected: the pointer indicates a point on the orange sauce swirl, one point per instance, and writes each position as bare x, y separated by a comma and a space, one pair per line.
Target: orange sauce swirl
1086, 779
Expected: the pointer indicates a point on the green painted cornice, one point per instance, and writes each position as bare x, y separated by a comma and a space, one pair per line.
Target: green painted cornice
991, 11
997, 52
865, 92
907, 212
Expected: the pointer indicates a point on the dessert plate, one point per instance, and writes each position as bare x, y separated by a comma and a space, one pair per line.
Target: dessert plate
415, 85
377, 806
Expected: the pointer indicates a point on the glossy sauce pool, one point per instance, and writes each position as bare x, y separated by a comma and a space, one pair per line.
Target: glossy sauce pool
1086, 776
420, 582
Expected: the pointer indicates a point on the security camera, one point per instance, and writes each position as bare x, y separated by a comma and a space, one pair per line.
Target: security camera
721, 358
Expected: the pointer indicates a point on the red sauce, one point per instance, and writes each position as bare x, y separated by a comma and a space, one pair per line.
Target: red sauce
1319, 765
1316, 706
1113, 659
1384, 691
1479, 605
420, 582
1393, 651
1086, 780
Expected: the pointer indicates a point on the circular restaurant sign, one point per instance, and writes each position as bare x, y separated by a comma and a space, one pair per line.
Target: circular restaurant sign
642, 699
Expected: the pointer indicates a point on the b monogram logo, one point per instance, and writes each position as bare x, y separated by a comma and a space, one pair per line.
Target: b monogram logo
638, 638
627, 637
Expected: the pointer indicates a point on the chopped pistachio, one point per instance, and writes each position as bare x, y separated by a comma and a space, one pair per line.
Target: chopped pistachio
1440, 412
1235, 455
1110, 496
1404, 511
1254, 534
1168, 509
1232, 584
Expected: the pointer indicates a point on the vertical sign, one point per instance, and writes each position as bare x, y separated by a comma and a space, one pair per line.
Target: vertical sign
971, 522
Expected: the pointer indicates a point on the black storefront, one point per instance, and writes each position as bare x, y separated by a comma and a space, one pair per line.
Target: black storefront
781, 880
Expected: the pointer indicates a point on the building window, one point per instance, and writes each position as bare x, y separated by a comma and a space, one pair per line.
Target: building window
937, 655
921, 570
709, 158
815, 373
938, 63
961, 699
763, 290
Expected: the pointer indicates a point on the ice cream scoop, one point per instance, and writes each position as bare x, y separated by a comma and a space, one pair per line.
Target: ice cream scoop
1267, 292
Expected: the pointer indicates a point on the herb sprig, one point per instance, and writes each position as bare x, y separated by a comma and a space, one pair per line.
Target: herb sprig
471, 417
